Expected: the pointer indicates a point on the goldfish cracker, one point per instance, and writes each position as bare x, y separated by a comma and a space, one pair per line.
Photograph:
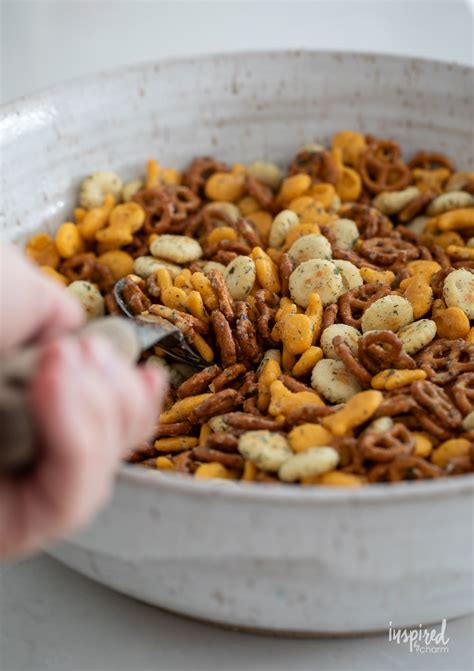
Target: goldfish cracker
283, 400
287, 309
204, 432
288, 359
112, 238
356, 411
153, 170
247, 205
456, 220
396, 379
79, 214
451, 323
68, 240
212, 470
175, 443
201, 283
266, 271
450, 449
54, 275
323, 193
270, 371
164, 464
183, 281
227, 186
423, 444
420, 295
307, 361
460, 253
119, 262
174, 298
42, 249
309, 435
348, 185
96, 219
128, 215
196, 307
470, 336
202, 347
171, 176
445, 239
250, 471
431, 179
293, 187
179, 412
424, 269
351, 144
315, 312
371, 276
336, 479
222, 233
263, 222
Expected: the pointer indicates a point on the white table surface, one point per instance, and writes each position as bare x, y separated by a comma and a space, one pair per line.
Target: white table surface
50, 617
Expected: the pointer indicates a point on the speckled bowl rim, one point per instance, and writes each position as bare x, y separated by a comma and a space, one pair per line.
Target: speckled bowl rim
249, 491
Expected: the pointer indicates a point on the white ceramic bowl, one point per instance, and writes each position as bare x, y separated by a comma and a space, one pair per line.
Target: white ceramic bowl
274, 558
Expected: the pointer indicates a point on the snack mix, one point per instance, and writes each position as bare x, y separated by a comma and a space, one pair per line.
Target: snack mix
332, 304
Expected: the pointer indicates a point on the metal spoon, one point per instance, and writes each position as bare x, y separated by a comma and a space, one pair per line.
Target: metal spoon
172, 340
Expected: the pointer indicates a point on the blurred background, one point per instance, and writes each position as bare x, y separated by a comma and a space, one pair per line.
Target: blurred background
45, 41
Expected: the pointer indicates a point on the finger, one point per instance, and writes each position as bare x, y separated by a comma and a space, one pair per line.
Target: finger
40, 307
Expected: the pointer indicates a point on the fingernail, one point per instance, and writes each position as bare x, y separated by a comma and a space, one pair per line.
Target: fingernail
100, 352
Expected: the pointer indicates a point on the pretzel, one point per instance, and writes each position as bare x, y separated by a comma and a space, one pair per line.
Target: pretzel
381, 350
463, 393
404, 467
309, 413
199, 382
416, 206
433, 399
199, 172
285, 269
224, 338
329, 316
320, 165
370, 222
174, 429
294, 385
249, 385
440, 256
206, 454
159, 210
262, 193
437, 281
381, 170
387, 251
382, 447
250, 406
345, 354
111, 305
79, 267
443, 360
267, 314
134, 297
248, 232
353, 303
223, 296
225, 257
245, 332
251, 422
351, 459
225, 442
430, 160
227, 376
183, 462
395, 404
216, 404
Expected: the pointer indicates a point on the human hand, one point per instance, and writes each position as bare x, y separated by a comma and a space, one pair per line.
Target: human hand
89, 406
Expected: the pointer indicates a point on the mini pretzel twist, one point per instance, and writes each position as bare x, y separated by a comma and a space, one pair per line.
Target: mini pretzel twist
387, 251
381, 350
430, 160
370, 222
404, 468
345, 354
438, 404
320, 165
199, 172
463, 393
382, 447
443, 360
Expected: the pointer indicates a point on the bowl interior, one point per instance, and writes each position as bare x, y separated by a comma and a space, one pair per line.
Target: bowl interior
238, 107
